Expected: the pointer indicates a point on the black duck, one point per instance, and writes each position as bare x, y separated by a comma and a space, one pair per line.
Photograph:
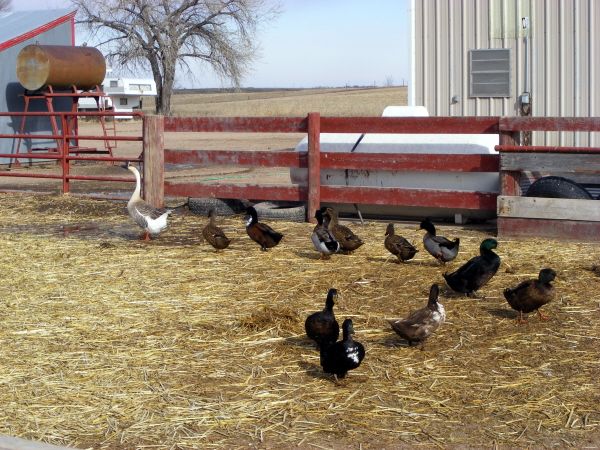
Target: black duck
344, 355
476, 272
321, 326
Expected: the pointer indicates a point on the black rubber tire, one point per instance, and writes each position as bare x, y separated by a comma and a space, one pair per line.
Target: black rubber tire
292, 212
557, 187
223, 207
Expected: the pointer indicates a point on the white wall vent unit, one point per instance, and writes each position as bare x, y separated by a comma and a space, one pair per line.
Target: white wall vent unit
489, 72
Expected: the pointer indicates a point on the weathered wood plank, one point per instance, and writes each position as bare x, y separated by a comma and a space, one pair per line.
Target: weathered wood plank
417, 162
246, 191
550, 162
154, 160
409, 197
238, 158
549, 208
584, 178
545, 149
314, 166
550, 123
512, 227
429, 125
509, 179
237, 124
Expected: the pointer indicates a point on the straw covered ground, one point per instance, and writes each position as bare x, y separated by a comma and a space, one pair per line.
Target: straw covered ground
108, 342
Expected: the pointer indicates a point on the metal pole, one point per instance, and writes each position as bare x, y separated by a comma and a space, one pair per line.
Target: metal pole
64, 153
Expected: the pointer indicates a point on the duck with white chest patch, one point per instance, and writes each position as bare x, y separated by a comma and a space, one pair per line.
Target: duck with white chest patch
421, 324
344, 355
261, 233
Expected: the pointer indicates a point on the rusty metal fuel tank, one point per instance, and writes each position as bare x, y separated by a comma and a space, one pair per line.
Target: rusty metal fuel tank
60, 66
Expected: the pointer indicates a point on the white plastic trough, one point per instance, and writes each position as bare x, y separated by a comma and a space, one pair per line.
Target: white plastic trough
407, 143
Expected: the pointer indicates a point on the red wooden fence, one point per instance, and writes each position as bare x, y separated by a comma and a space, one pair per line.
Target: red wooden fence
314, 160
547, 217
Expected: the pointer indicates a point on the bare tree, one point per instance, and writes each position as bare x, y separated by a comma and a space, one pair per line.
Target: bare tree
162, 35
5, 5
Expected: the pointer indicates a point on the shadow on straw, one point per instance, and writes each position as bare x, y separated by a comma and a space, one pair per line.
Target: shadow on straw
314, 371
301, 341
308, 254
503, 313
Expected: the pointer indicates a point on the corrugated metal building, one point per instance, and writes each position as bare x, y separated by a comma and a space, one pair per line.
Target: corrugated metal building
17, 30
551, 58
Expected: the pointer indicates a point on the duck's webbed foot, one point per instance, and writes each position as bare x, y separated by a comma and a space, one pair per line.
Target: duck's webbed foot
520, 319
542, 315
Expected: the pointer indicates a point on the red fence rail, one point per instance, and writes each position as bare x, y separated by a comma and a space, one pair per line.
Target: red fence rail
64, 153
314, 160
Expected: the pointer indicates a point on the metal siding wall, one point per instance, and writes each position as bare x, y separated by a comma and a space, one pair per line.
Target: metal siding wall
591, 91
429, 54
564, 49
442, 59
457, 60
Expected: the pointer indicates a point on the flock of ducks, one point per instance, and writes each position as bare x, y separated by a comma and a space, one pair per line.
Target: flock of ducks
329, 237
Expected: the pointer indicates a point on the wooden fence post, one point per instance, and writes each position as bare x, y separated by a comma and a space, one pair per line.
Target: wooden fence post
314, 165
509, 180
154, 160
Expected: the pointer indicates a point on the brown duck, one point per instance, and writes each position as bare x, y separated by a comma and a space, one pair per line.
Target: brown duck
397, 245
344, 235
531, 295
215, 235
420, 324
261, 233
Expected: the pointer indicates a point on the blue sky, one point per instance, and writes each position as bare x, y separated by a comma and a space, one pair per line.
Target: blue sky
317, 43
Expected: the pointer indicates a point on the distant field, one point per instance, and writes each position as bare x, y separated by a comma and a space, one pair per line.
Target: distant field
333, 102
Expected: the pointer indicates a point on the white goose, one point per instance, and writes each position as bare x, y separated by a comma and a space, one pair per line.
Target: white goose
152, 220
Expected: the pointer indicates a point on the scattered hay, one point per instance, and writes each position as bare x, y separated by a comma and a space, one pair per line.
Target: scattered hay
268, 317
109, 342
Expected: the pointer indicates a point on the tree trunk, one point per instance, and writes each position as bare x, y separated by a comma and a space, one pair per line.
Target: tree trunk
163, 101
